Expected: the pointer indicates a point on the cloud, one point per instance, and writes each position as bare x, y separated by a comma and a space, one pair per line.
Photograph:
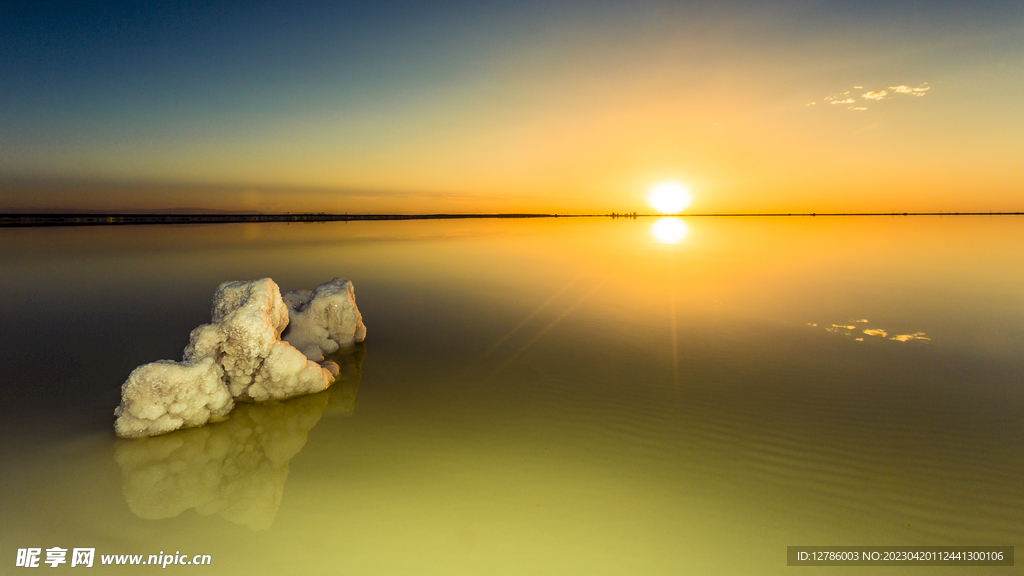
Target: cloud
876, 95
904, 89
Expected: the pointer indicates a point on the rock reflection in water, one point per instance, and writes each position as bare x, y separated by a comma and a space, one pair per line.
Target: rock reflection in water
235, 468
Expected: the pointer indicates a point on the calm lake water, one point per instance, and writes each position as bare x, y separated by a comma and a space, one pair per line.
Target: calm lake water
560, 396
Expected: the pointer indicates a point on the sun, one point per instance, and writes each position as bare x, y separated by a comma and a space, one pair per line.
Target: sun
669, 197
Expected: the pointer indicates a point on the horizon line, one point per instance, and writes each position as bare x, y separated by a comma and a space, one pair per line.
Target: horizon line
14, 220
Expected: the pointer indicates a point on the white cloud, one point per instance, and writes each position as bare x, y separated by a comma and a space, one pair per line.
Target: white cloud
879, 94
904, 89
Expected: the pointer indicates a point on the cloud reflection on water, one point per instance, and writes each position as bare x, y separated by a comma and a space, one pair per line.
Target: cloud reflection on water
847, 330
908, 337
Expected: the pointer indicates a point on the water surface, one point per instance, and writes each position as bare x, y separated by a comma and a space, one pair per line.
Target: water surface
561, 396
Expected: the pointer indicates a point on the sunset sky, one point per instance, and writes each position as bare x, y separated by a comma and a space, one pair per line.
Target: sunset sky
460, 106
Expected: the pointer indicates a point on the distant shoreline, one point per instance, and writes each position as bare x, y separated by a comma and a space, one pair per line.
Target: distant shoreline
30, 220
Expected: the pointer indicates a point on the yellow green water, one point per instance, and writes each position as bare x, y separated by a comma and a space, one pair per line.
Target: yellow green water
565, 396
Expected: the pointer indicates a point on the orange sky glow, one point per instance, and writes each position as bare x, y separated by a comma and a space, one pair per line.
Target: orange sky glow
754, 108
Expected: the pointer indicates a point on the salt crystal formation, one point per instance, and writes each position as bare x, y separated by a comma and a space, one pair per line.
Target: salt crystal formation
165, 395
240, 355
315, 320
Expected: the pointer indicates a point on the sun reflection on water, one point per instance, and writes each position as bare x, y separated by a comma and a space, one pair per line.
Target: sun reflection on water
670, 230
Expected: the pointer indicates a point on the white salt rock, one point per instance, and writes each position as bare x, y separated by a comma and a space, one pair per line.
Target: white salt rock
245, 335
286, 372
163, 396
240, 354
247, 321
324, 320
